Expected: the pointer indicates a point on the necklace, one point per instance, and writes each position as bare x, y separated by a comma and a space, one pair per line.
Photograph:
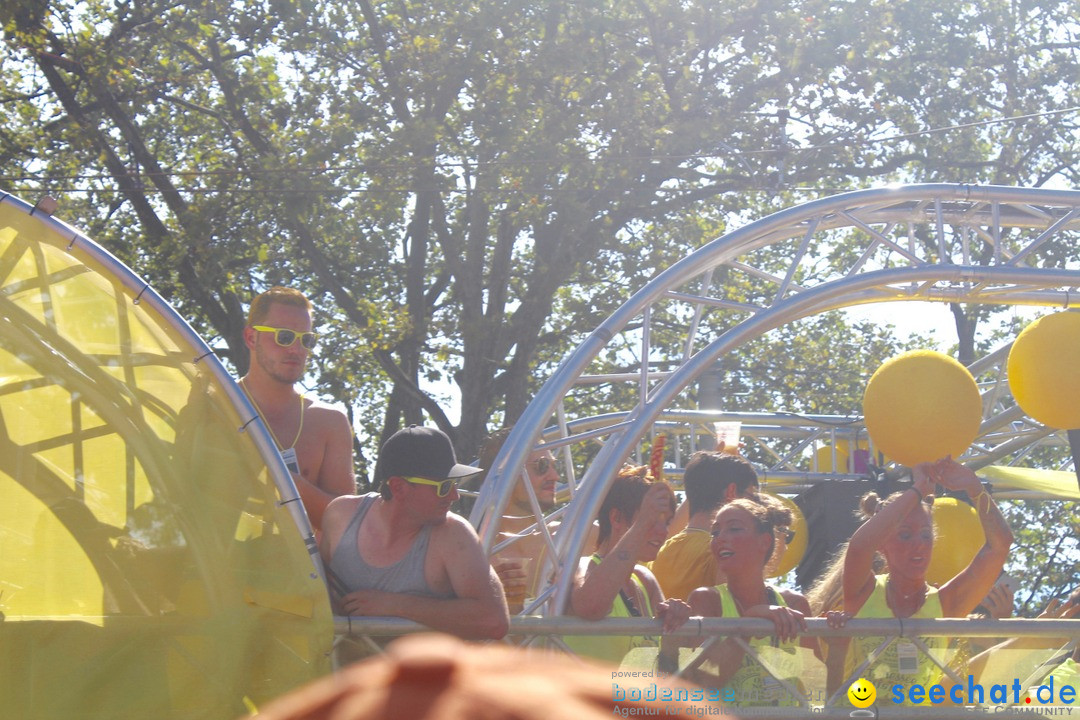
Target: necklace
899, 597
266, 422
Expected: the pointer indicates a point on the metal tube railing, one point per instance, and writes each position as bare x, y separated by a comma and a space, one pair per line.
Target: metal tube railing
698, 627
525, 630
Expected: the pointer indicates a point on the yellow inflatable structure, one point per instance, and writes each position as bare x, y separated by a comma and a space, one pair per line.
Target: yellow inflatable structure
148, 568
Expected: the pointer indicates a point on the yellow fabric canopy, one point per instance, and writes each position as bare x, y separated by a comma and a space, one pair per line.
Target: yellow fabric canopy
1059, 483
147, 568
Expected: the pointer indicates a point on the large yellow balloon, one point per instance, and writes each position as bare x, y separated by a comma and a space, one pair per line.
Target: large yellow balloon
958, 535
921, 406
1044, 374
795, 550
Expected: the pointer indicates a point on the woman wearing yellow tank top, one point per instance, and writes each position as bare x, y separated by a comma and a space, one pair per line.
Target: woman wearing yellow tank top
613, 582
901, 529
744, 534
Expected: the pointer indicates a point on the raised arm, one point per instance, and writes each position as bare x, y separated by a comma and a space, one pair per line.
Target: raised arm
872, 534
961, 594
595, 589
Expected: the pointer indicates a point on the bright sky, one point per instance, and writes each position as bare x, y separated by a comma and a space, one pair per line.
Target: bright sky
935, 318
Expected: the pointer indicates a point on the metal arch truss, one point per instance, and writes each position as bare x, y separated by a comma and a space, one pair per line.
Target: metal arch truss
942, 242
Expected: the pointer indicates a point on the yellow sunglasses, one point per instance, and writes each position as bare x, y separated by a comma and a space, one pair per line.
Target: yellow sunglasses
443, 486
286, 337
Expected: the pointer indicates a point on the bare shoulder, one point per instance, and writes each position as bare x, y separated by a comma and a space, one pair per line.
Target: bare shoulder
456, 529
339, 512
323, 413
645, 575
650, 583
705, 601
342, 506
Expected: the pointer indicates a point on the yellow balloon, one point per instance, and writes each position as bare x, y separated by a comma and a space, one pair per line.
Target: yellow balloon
958, 536
921, 406
1044, 375
824, 456
795, 550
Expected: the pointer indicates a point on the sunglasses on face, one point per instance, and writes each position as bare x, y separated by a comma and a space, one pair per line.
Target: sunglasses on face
542, 465
286, 337
788, 534
443, 487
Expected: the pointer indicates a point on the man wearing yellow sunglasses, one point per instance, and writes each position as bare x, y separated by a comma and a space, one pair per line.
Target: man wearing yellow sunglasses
401, 552
314, 439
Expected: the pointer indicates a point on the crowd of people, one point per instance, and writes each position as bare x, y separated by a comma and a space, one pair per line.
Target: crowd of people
403, 552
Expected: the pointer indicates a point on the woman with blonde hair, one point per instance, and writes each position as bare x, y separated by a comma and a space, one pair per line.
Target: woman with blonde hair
901, 528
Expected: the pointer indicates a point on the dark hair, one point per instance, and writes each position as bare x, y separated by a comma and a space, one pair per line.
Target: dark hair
625, 495
768, 514
708, 475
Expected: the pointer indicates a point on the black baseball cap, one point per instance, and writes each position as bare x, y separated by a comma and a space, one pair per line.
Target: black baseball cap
418, 451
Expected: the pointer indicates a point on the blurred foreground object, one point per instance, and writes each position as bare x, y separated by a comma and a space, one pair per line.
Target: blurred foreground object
437, 677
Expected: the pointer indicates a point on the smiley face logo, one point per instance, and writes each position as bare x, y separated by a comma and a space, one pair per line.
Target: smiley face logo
862, 693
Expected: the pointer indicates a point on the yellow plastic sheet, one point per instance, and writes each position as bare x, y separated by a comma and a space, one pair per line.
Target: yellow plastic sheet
1058, 483
146, 566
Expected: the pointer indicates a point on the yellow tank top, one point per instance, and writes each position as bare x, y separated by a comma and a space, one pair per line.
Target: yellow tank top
752, 683
613, 648
901, 663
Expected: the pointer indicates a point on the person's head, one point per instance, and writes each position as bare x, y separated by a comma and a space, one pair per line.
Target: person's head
418, 464
745, 531
278, 334
713, 478
437, 677
908, 547
540, 467
621, 505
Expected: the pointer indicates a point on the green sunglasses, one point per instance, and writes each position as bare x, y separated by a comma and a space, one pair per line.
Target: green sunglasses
286, 337
443, 486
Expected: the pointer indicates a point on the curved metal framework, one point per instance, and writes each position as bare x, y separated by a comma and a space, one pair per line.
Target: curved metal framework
942, 242
81, 246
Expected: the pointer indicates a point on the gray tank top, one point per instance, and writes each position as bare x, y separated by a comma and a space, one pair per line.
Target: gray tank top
404, 576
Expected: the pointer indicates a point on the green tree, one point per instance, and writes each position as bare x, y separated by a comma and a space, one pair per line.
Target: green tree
464, 188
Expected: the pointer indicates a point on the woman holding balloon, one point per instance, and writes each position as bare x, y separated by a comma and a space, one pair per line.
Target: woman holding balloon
900, 527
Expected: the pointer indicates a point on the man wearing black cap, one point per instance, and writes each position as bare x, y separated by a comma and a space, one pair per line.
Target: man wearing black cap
402, 553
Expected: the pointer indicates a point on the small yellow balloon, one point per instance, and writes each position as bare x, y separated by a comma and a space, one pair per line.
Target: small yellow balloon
823, 456
795, 550
921, 406
958, 536
1044, 375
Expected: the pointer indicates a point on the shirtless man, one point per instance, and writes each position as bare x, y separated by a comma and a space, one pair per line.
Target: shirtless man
519, 564
402, 553
314, 439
